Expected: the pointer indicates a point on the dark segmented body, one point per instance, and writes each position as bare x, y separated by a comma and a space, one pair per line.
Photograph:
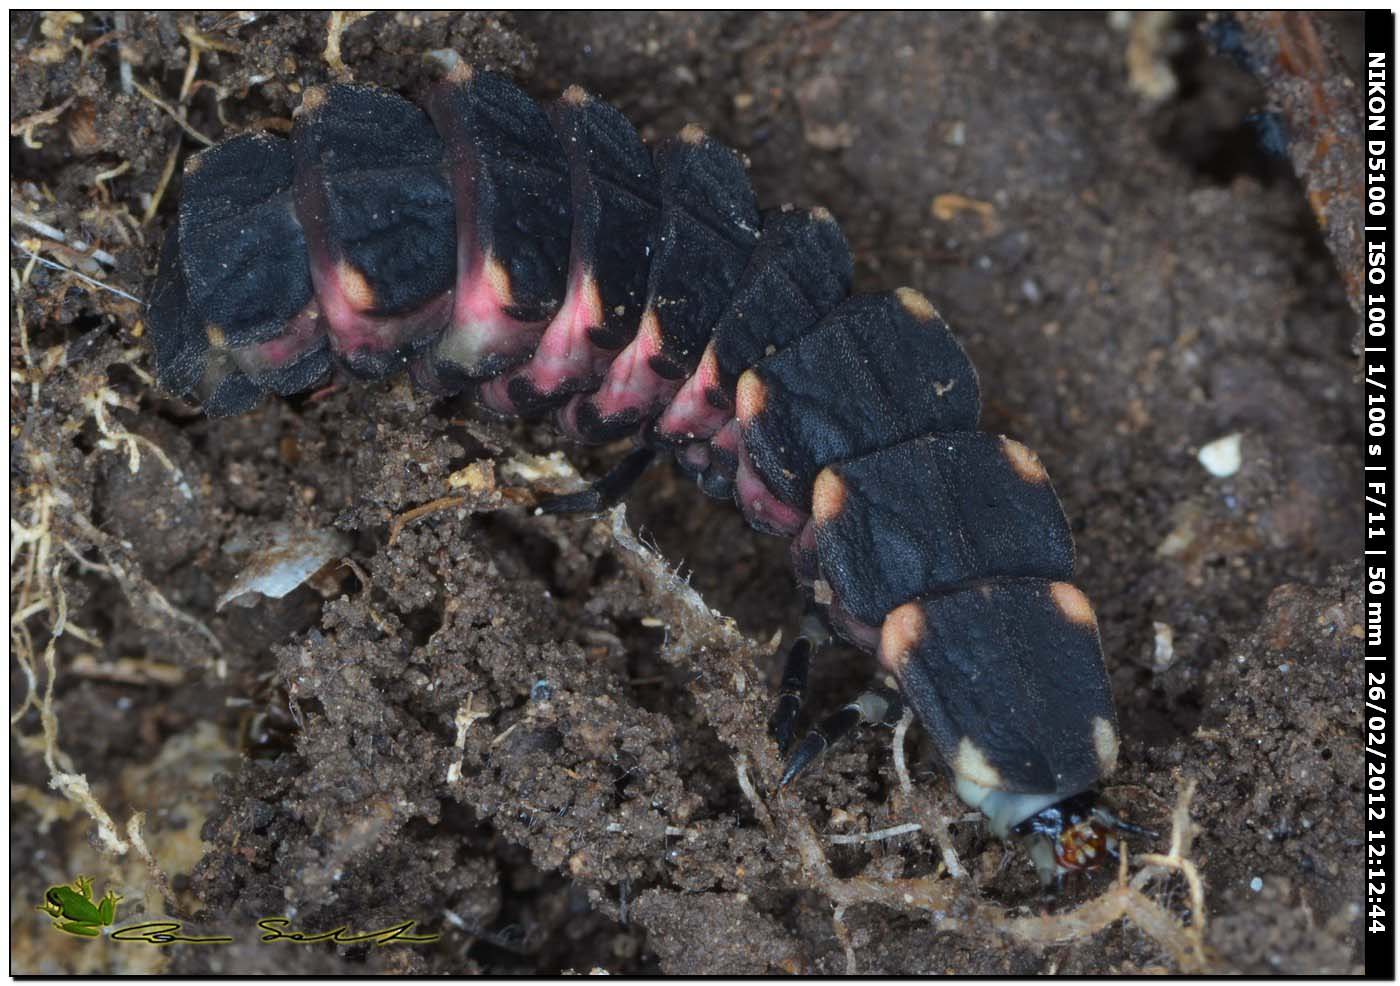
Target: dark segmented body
549, 260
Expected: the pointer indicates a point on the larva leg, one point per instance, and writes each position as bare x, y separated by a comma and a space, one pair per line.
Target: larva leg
606, 492
783, 723
878, 706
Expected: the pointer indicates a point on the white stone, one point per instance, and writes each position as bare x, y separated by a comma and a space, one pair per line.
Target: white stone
1222, 457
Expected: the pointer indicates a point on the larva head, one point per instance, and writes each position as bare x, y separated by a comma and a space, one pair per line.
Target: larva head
1072, 835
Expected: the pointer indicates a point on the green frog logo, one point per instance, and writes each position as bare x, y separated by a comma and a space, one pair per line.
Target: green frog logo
74, 912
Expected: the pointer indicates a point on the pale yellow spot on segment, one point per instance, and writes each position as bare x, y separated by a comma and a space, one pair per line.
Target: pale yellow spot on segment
460, 73
499, 278
692, 133
822, 214
1023, 461
916, 304
194, 163
1105, 745
972, 764
828, 496
216, 335
749, 397
354, 286
575, 96
1072, 603
902, 631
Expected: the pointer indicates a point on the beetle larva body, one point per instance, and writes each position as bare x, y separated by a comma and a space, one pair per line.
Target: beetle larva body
546, 259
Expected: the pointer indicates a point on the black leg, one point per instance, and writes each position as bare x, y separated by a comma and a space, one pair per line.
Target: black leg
878, 706
606, 492
782, 725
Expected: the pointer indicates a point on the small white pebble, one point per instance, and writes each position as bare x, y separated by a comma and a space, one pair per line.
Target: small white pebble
1222, 456
1163, 650
1256, 884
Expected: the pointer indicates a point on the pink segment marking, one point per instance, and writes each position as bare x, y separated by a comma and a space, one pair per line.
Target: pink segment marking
301, 334
564, 360
480, 331
764, 511
629, 384
345, 299
693, 413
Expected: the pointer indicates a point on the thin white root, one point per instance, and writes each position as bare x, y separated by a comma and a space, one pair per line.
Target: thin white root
876, 836
22, 218
53, 265
466, 715
901, 768
741, 768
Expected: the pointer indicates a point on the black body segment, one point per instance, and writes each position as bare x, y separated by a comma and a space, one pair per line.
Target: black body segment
799, 273
707, 228
709, 225
377, 213
615, 202
879, 370
615, 206
371, 193
242, 251
178, 339
510, 182
1008, 679
232, 310
930, 514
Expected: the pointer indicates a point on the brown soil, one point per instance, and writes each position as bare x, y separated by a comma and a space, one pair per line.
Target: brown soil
528, 736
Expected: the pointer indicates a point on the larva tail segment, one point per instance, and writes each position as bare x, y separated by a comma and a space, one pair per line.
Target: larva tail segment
509, 182
233, 315
615, 202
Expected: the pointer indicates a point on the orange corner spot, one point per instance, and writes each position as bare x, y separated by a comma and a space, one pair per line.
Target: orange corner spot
902, 631
575, 96
1026, 463
749, 397
972, 764
648, 342
216, 335
828, 496
1072, 603
499, 278
821, 214
916, 304
692, 133
354, 286
193, 163
590, 301
1105, 745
